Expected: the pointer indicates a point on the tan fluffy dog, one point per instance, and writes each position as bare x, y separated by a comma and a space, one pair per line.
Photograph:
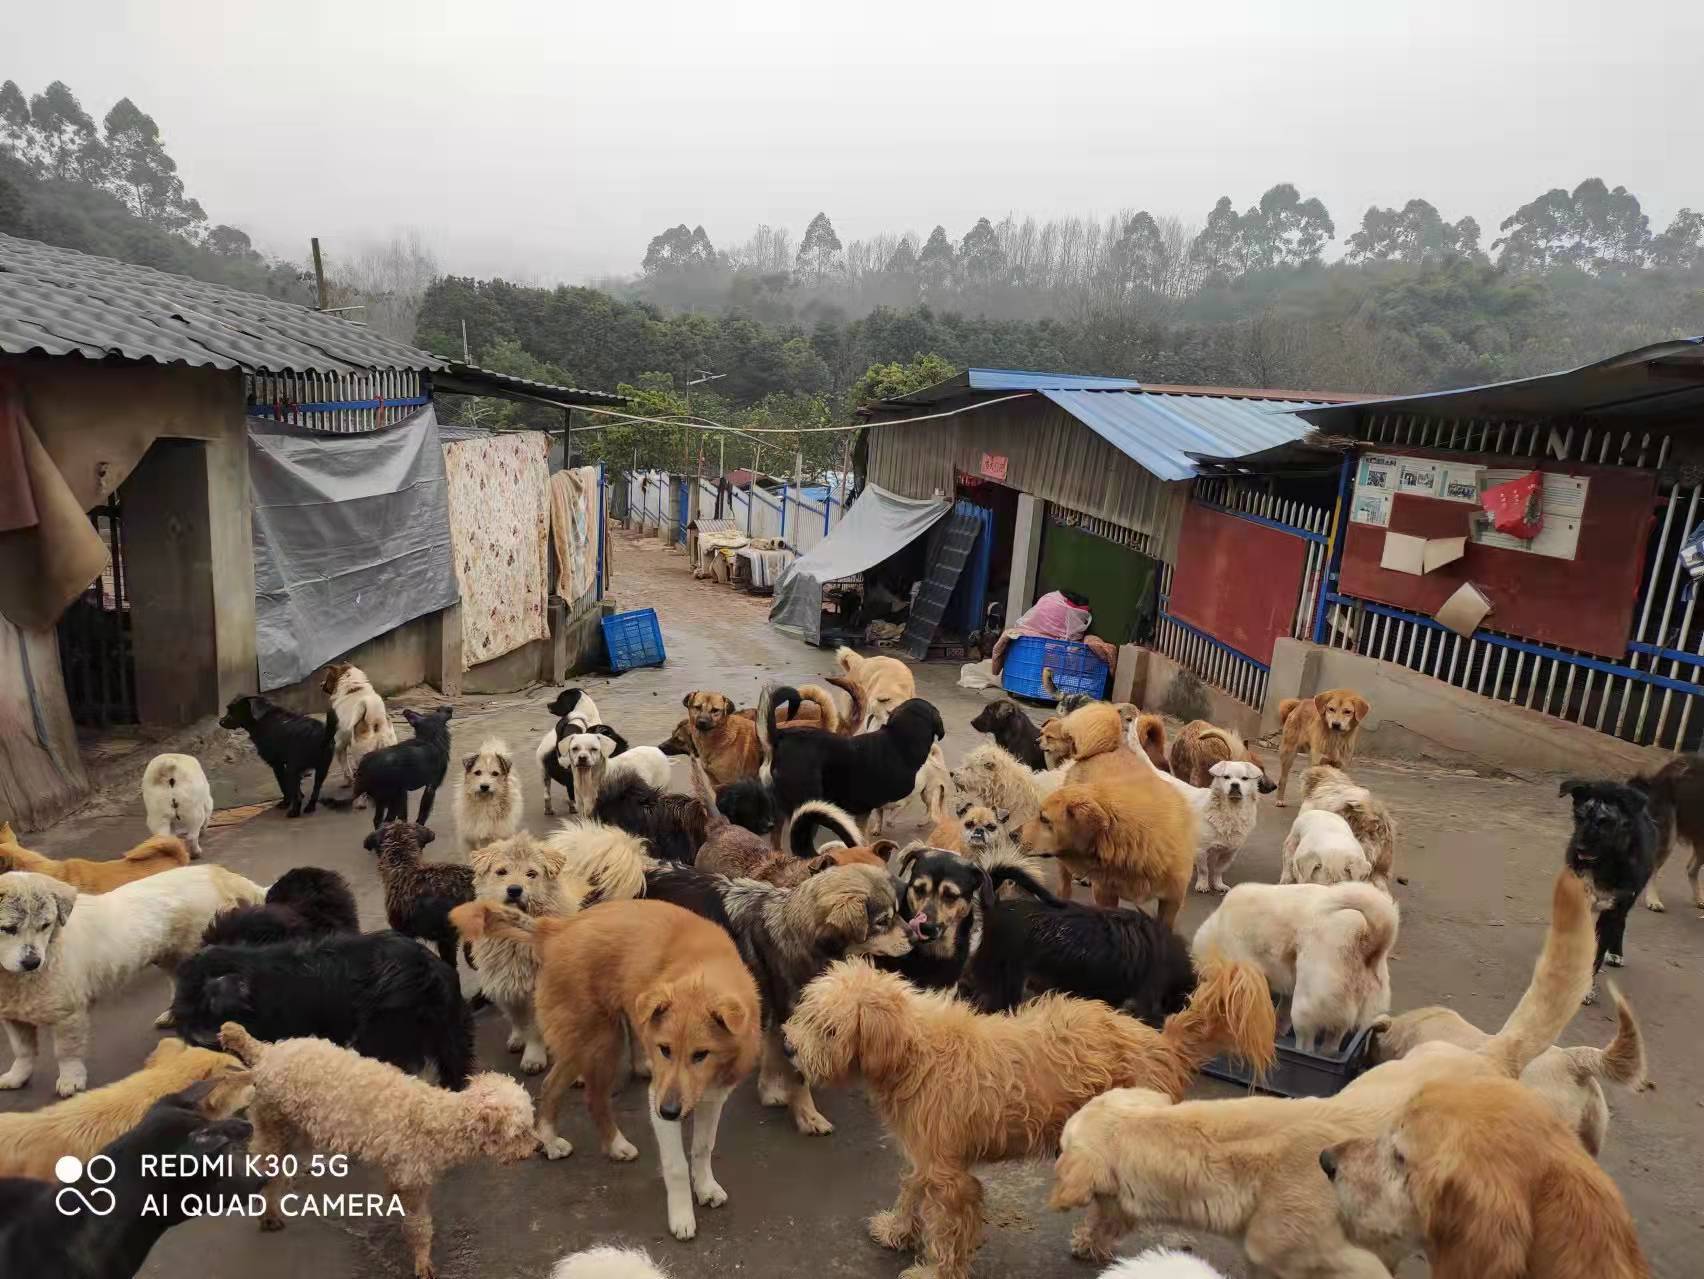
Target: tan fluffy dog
1484, 1176
1249, 1168
1132, 836
959, 1088
30, 1144
150, 857
1200, 745
1327, 726
1567, 1078
678, 980
886, 682
1328, 788
314, 1095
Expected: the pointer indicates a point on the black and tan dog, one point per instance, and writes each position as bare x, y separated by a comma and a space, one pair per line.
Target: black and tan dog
1614, 849
946, 901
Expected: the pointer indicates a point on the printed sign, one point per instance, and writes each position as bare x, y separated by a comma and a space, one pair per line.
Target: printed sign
994, 466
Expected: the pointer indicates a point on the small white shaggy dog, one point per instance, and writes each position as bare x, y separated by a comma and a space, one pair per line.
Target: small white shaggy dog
588, 757
177, 799
608, 1263
1322, 849
363, 724
1158, 1263
61, 951
488, 802
1225, 815
1327, 948
993, 776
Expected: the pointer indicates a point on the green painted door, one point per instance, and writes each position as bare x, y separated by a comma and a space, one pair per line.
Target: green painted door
1120, 583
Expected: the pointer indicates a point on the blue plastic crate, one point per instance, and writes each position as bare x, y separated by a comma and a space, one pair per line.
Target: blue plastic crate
634, 640
1075, 668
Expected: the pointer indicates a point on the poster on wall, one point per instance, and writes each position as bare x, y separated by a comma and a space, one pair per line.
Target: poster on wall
1418, 476
1378, 479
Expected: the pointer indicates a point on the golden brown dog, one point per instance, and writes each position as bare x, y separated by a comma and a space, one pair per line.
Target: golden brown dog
1132, 836
678, 981
725, 737
1327, 726
1485, 1176
1249, 1168
959, 1088
1200, 745
30, 1144
150, 857
886, 682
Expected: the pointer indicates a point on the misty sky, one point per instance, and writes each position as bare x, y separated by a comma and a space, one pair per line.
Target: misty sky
550, 141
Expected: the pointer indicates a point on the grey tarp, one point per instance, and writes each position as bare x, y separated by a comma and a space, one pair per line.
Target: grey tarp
879, 524
351, 539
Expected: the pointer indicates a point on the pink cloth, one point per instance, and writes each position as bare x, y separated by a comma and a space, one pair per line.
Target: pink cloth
1055, 617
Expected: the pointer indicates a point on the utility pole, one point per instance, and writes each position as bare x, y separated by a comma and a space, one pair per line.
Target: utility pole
319, 273
466, 358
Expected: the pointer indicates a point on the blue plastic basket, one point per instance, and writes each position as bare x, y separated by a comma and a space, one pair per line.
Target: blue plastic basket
634, 640
1075, 668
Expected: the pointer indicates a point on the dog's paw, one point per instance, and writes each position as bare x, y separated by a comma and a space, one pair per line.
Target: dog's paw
622, 1150
1591, 997
271, 1222
813, 1123
682, 1224
709, 1193
533, 1063
515, 1042
919, 1271
772, 1092
558, 1148
1221, 887
1614, 960
16, 1077
424, 1270
1653, 902
165, 1020
1201, 886
72, 1080
1086, 1245
889, 1231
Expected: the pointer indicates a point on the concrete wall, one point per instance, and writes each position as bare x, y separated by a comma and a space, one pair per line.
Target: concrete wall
1165, 686
1416, 716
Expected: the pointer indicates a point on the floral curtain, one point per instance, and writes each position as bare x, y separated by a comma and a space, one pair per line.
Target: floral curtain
499, 527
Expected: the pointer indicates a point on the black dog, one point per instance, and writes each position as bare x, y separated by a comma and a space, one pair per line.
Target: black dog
859, 774
420, 895
390, 772
1124, 958
291, 745
378, 993
104, 1224
1614, 848
749, 803
305, 902
673, 825
1012, 731
946, 898
1676, 795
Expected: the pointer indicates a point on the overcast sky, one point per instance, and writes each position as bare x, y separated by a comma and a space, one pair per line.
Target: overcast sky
549, 141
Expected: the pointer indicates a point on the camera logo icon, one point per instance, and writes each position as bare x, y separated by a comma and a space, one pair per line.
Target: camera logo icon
71, 1199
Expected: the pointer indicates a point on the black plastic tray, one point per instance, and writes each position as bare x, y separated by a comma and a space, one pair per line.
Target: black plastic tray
1298, 1073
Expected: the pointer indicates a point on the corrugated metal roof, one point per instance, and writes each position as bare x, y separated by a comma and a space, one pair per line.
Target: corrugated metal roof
973, 380
61, 302
470, 379
1164, 433
1658, 381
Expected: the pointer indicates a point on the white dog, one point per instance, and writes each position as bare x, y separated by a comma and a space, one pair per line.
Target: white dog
592, 762
1225, 812
993, 776
1322, 849
1327, 948
608, 1262
60, 952
363, 724
1159, 1263
177, 799
488, 802
552, 752
1329, 789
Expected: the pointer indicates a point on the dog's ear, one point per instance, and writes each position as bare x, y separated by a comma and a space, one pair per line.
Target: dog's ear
821, 862
903, 873
256, 706
846, 916
606, 745
412, 716
1321, 702
191, 1098
64, 899
424, 834
652, 1004
371, 843
985, 893
885, 849
1573, 786
229, 990
445, 713
1361, 707
687, 701
1002, 815
887, 1039
962, 809
1476, 1228
1085, 810
731, 1015
1265, 785
468, 761
6, 835
504, 764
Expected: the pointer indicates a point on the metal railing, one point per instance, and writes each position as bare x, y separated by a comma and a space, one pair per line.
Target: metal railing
341, 403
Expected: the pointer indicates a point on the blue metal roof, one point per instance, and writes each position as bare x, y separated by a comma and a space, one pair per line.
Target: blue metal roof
1028, 380
1164, 433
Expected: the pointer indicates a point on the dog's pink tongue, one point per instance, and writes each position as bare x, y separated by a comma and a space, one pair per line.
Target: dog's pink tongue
914, 925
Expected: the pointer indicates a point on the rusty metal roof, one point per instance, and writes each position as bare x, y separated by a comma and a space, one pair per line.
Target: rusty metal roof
61, 302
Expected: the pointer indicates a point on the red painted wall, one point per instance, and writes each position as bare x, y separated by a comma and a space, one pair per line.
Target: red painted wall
1237, 580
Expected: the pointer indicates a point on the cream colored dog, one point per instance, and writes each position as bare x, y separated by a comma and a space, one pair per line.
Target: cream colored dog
488, 801
1322, 849
1327, 948
887, 683
1331, 790
61, 952
363, 724
995, 777
177, 799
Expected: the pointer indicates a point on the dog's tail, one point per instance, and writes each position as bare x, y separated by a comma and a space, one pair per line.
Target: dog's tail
1011, 873
1622, 1059
853, 720
828, 712
1286, 706
714, 821
1230, 1011
167, 846
242, 1045
1047, 684
819, 814
1560, 980
850, 663
611, 860
766, 726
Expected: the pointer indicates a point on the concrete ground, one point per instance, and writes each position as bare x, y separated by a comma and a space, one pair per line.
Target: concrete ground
1479, 854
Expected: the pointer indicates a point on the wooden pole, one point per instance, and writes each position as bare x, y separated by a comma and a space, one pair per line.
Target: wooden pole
319, 273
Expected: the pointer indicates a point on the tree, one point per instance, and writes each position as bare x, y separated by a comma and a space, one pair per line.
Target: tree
884, 381
1220, 248
62, 136
904, 259
140, 173
936, 264
14, 120
819, 252
1415, 233
678, 248
1682, 245
1142, 258
981, 260
231, 242
390, 279
1286, 230
1593, 229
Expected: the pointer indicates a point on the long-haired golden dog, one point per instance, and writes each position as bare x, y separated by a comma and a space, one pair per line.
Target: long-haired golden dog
1327, 726
1249, 1168
887, 684
958, 1087
1484, 1176
678, 981
150, 857
30, 1144
1200, 745
1131, 835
